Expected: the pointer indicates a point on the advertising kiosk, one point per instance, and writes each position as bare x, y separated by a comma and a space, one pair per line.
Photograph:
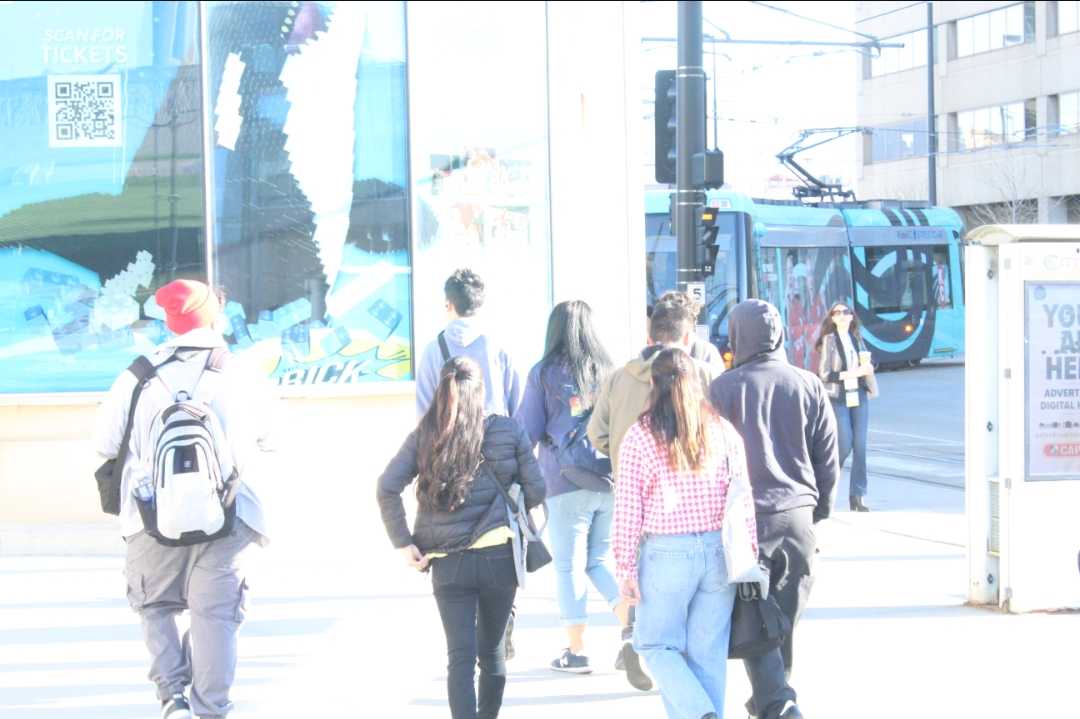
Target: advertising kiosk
1023, 416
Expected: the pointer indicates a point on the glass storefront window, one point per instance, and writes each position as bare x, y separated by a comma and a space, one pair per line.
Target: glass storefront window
101, 177
311, 235
479, 155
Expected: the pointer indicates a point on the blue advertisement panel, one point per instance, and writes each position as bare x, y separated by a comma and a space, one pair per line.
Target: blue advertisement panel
100, 185
310, 168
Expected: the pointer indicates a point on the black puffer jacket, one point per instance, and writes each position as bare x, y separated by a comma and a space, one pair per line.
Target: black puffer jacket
507, 452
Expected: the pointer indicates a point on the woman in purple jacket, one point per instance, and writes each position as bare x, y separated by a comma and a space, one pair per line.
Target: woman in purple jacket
555, 408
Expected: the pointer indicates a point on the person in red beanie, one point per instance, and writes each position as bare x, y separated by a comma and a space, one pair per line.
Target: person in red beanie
206, 579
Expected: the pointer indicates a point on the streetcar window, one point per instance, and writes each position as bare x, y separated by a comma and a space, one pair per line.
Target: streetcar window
941, 274
803, 282
902, 279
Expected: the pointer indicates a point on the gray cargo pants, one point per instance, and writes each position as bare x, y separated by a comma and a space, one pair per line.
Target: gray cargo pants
207, 579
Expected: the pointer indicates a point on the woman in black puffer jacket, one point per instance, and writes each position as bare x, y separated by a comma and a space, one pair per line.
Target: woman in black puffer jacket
462, 527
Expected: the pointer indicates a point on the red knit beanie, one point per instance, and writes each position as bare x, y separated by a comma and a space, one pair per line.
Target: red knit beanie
188, 305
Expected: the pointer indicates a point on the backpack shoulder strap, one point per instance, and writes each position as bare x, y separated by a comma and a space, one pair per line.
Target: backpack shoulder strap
219, 357
443, 346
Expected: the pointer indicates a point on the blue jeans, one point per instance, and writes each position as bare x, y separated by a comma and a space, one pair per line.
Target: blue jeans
579, 531
851, 424
684, 620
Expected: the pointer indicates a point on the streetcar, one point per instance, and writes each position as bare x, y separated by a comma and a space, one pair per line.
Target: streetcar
896, 263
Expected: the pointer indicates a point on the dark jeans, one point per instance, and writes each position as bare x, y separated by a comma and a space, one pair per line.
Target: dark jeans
786, 543
851, 425
475, 590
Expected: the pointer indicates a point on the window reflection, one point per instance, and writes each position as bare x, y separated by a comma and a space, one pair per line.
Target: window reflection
311, 240
101, 197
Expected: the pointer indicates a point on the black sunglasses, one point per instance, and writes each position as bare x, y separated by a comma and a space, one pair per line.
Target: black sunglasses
842, 312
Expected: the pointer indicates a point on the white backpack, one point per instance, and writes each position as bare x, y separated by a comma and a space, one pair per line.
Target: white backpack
187, 462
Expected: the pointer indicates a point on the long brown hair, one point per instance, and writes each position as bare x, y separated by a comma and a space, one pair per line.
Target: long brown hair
828, 327
678, 413
450, 435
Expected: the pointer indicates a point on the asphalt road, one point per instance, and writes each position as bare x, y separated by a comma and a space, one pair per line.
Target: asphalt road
917, 425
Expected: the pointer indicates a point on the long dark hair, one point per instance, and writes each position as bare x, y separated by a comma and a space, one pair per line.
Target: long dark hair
678, 412
451, 432
572, 342
828, 327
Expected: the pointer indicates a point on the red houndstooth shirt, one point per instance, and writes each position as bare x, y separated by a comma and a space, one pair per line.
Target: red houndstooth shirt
652, 498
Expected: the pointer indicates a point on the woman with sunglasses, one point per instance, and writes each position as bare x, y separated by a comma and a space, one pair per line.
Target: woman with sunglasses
844, 366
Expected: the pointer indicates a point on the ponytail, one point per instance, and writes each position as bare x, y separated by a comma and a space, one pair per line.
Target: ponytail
451, 434
678, 413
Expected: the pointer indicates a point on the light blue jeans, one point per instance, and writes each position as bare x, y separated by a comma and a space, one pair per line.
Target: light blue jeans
684, 620
579, 530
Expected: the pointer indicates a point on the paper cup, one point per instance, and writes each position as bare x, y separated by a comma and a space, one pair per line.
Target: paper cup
864, 358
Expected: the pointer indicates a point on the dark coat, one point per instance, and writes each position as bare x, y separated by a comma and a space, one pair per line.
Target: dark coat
782, 413
507, 452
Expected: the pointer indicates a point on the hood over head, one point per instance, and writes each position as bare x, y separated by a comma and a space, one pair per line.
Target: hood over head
463, 331
756, 332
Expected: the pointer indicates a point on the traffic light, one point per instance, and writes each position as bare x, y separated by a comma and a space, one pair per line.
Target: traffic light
665, 127
706, 249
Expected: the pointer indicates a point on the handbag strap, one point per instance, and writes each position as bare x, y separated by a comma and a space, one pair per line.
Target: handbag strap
144, 370
524, 520
443, 347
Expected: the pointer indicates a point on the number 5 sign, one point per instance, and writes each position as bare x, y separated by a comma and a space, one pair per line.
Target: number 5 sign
696, 291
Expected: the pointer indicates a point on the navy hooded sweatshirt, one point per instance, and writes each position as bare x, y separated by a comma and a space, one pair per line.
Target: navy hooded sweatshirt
782, 413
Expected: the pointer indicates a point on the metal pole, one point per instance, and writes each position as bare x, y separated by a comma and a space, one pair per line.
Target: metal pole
931, 112
207, 142
689, 137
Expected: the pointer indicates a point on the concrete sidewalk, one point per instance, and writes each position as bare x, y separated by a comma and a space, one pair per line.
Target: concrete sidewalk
340, 627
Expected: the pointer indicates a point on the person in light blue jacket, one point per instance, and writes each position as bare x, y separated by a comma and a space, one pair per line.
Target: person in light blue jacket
503, 383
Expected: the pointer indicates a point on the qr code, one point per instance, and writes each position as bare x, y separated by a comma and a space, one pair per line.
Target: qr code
84, 111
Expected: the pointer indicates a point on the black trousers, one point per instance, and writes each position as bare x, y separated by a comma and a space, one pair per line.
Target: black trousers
475, 591
786, 544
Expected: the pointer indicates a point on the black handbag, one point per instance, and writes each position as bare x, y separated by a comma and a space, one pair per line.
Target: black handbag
583, 476
758, 625
536, 553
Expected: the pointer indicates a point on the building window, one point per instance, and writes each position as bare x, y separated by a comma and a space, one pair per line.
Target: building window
1000, 125
1068, 16
101, 186
1000, 28
1068, 112
479, 177
896, 142
896, 59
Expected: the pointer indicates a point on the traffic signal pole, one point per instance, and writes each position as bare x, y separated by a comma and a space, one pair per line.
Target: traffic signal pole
689, 139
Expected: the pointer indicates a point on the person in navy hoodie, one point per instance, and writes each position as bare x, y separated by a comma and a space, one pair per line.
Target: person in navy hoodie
559, 397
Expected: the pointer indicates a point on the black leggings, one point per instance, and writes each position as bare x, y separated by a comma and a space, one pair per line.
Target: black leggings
475, 591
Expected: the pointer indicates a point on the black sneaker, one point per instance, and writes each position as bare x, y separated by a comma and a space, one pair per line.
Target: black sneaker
508, 639
573, 663
620, 665
176, 708
635, 672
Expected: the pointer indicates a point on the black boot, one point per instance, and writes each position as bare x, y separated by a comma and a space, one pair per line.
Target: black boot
857, 504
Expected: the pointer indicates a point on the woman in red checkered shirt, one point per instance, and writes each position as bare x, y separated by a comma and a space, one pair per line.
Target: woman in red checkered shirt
684, 534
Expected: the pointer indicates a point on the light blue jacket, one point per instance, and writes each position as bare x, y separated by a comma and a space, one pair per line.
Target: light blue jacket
503, 383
